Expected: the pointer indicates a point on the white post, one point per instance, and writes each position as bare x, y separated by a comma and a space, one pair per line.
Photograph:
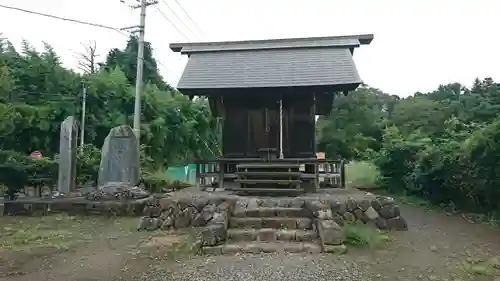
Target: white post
82, 129
139, 84
281, 128
140, 67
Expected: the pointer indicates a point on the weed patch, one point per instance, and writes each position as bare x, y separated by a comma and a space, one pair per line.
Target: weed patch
56, 231
358, 234
361, 175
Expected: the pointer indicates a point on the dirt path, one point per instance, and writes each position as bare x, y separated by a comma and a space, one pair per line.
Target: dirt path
100, 259
437, 248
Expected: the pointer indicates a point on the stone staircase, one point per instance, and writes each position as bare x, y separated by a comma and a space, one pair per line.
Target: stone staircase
268, 177
267, 230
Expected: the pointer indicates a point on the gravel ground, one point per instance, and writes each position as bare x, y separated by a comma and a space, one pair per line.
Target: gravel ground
435, 248
265, 267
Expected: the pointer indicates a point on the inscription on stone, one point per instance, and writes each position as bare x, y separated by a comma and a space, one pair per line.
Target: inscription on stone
66, 181
119, 157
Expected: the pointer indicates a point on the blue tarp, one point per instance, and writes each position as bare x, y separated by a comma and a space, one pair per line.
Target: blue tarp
185, 173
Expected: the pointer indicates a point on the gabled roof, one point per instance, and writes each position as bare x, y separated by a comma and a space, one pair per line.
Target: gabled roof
308, 42
296, 62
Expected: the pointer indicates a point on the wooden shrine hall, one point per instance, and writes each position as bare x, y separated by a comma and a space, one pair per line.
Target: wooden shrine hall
268, 93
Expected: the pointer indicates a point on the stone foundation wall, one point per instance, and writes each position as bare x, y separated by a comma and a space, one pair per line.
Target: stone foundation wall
212, 214
197, 211
331, 215
209, 213
382, 211
76, 207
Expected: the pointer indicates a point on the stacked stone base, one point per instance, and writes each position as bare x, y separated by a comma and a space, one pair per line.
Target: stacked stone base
228, 224
75, 207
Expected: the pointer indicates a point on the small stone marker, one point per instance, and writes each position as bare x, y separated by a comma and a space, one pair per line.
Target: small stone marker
66, 181
119, 157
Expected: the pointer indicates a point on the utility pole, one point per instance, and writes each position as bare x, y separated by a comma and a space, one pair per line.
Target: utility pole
139, 87
82, 125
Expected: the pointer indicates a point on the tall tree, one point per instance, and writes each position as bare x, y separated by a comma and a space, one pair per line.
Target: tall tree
126, 60
87, 59
37, 93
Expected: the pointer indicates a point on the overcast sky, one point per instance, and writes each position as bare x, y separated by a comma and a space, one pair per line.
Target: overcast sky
418, 44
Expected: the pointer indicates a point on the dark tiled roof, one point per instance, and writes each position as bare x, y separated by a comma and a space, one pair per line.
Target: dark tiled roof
346, 41
320, 61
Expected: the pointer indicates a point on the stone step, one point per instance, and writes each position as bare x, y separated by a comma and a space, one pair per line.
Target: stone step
270, 222
271, 234
272, 212
273, 181
267, 165
269, 174
262, 247
266, 191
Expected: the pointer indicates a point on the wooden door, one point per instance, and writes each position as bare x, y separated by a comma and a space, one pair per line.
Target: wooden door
263, 124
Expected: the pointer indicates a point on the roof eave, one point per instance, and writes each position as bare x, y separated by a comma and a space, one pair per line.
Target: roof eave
176, 47
344, 87
364, 39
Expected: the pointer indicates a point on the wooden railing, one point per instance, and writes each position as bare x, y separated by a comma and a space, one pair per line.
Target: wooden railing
325, 173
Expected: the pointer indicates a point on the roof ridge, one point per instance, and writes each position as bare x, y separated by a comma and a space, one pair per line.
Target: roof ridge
305, 42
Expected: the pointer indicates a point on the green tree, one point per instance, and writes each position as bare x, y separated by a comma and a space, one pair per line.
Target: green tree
126, 60
37, 93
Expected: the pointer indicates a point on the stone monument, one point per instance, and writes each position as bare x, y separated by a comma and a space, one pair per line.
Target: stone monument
119, 157
66, 181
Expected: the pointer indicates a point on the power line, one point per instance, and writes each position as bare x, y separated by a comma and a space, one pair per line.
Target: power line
120, 31
189, 17
178, 30
166, 68
179, 18
61, 18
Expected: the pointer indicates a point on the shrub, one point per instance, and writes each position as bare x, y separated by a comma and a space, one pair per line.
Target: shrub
87, 164
158, 181
458, 167
32, 166
361, 174
397, 159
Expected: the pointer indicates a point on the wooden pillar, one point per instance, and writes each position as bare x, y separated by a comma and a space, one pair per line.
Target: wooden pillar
281, 128
342, 174
316, 176
197, 183
221, 174
314, 125
203, 172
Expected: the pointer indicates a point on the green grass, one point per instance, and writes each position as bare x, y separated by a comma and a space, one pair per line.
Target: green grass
361, 235
170, 244
477, 267
361, 175
57, 231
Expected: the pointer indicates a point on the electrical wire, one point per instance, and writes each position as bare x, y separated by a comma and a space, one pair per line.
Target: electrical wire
175, 26
189, 17
61, 18
83, 23
168, 69
180, 19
